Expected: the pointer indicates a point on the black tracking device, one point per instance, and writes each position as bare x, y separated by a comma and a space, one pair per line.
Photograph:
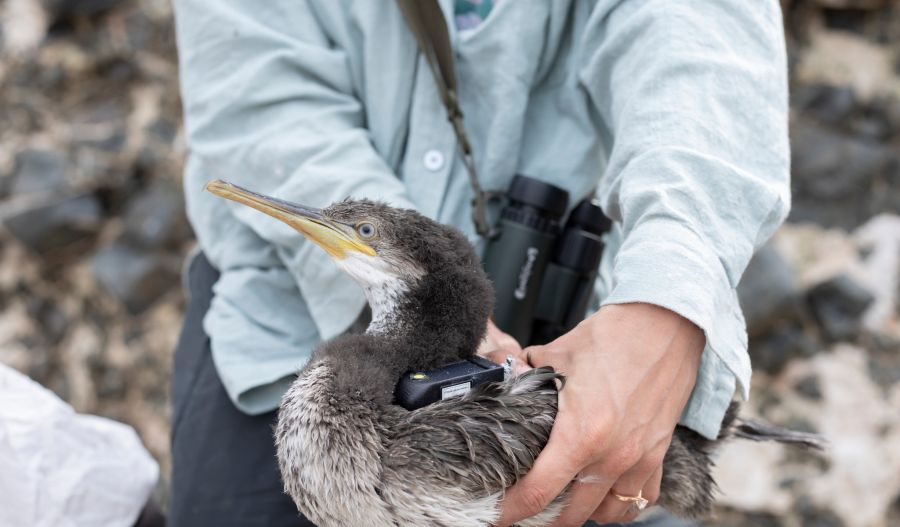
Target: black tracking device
421, 388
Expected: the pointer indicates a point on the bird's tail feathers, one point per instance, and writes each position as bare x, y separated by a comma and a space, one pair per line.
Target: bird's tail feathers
760, 431
756, 430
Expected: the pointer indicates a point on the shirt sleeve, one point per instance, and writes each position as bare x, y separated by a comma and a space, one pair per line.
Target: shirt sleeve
270, 103
694, 95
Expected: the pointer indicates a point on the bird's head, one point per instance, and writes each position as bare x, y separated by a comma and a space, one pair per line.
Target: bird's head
401, 258
373, 242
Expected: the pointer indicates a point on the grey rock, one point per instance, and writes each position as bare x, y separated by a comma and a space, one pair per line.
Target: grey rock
885, 343
837, 305
890, 107
149, 160
42, 363
885, 372
829, 164
110, 383
887, 197
39, 171
836, 176
119, 70
846, 15
140, 29
156, 218
5, 179
759, 519
101, 126
52, 320
660, 518
884, 360
770, 353
812, 516
56, 225
135, 277
59, 9
767, 292
163, 130
825, 102
871, 125
893, 516
809, 387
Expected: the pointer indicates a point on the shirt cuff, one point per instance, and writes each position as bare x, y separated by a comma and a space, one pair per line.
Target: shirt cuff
711, 397
667, 264
255, 352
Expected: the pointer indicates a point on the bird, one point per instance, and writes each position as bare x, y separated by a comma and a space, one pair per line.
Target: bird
349, 456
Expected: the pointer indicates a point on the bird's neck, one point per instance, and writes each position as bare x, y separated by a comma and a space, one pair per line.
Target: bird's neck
436, 319
423, 322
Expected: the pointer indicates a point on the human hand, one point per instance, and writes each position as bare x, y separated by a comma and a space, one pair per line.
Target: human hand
498, 345
629, 370
496, 339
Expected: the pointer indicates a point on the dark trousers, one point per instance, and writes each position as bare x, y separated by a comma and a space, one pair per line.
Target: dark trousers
224, 471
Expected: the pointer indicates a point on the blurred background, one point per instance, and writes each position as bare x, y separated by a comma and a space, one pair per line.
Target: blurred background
94, 234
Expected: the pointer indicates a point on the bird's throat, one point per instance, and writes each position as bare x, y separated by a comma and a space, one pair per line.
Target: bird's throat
386, 302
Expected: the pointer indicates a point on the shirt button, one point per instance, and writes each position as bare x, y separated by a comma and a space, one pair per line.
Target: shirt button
433, 160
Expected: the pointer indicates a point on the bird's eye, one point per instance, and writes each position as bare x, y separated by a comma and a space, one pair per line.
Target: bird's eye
366, 230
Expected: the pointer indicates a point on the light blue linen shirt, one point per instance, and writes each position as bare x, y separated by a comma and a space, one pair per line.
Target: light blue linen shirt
673, 113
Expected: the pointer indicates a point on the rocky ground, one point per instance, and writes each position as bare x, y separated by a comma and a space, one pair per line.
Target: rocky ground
94, 234
90, 200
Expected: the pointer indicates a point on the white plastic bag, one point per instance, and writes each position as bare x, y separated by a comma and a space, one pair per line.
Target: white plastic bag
62, 469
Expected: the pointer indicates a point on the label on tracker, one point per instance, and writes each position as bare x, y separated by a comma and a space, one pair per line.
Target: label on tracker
456, 389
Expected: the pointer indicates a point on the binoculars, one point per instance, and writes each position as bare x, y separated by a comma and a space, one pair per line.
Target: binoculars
543, 274
543, 271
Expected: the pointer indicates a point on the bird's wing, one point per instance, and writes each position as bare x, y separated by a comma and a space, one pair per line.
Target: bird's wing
480, 443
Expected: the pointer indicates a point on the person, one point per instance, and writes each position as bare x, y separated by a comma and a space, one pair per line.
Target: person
673, 114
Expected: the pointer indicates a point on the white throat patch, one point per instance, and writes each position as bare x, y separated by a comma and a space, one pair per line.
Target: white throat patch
383, 286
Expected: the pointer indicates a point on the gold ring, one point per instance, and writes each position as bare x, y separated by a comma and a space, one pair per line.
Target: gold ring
639, 502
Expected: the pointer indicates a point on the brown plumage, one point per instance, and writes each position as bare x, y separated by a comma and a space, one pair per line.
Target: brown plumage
348, 456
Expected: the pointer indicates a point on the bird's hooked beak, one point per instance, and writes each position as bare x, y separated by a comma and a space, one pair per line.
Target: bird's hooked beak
337, 238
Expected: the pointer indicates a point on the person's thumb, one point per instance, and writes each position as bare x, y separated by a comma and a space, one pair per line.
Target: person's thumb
538, 356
